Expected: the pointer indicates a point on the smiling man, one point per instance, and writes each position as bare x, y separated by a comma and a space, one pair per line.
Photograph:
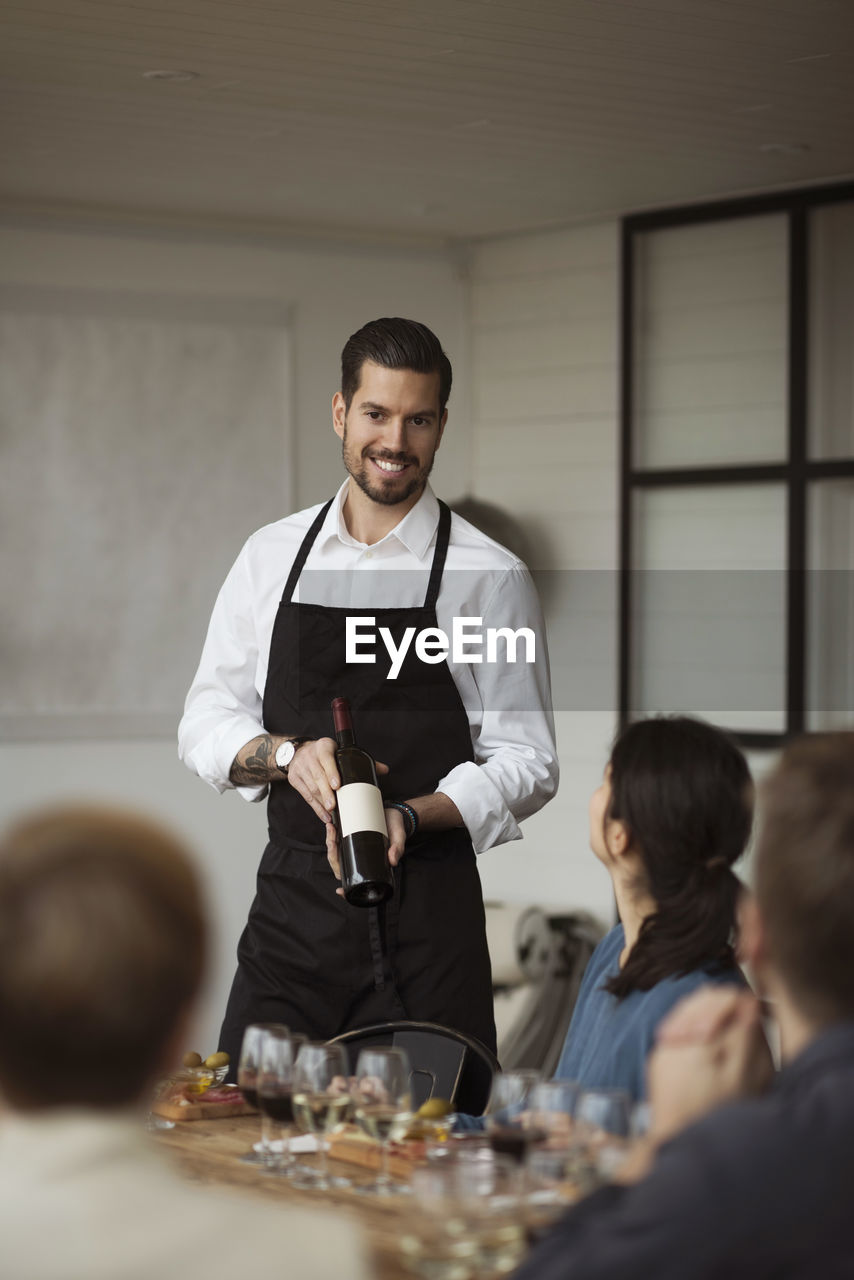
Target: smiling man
463, 735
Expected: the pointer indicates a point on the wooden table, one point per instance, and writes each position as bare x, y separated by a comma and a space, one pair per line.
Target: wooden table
209, 1151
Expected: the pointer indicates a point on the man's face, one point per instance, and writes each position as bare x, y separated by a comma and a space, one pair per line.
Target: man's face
391, 432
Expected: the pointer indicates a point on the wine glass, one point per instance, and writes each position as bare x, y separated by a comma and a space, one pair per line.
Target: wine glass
508, 1120
275, 1078
321, 1099
602, 1124
436, 1242
489, 1189
247, 1080
382, 1107
552, 1105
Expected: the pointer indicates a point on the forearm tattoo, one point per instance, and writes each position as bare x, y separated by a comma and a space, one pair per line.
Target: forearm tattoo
257, 767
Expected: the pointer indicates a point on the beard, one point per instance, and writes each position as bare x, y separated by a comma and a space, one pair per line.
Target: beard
386, 492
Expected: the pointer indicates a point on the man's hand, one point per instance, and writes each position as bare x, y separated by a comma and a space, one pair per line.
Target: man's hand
396, 836
711, 1049
313, 772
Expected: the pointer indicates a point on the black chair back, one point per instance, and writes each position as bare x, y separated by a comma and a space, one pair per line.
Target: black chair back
445, 1063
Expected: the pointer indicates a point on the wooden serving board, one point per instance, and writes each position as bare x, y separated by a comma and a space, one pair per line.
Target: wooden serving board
356, 1148
176, 1109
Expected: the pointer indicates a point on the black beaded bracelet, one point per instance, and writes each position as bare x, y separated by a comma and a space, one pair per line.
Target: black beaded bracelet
409, 814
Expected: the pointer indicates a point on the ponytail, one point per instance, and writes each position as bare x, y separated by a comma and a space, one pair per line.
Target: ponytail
683, 791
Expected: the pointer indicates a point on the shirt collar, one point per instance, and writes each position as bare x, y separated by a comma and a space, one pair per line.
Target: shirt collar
415, 531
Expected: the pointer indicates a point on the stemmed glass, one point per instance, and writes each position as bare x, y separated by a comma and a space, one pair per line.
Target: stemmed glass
552, 1105
508, 1120
247, 1080
602, 1123
275, 1080
321, 1099
382, 1107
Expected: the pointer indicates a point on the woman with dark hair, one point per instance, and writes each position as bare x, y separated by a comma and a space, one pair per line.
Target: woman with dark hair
671, 816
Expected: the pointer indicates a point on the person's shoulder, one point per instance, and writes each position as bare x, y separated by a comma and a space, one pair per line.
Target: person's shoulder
606, 953
679, 985
808, 1126
297, 522
280, 536
612, 944
242, 1233
468, 539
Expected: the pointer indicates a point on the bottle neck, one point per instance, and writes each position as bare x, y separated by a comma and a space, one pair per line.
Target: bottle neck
345, 738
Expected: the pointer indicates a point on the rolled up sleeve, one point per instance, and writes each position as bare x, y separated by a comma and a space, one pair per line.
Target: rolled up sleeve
515, 768
223, 709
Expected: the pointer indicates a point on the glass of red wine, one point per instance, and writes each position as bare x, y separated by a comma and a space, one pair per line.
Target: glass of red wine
247, 1080
275, 1082
509, 1120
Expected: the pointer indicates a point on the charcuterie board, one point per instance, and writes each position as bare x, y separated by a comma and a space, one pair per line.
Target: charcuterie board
355, 1148
219, 1102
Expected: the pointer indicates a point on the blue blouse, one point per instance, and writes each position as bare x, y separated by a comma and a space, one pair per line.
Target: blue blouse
608, 1039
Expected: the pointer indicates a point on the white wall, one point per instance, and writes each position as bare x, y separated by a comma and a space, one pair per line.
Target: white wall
331, 290
544, 332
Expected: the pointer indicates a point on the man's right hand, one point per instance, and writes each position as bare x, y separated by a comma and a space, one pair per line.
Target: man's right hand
312, 772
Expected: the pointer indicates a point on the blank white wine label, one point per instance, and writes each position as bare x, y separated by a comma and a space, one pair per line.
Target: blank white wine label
360, 805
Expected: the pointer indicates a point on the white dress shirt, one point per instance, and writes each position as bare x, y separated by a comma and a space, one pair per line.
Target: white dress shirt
515, 769
85, 1195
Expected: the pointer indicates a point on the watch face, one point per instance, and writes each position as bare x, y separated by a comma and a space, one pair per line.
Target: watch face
285, 754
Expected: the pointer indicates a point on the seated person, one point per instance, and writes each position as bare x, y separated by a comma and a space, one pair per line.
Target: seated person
671, 816
102, 939
744, 1175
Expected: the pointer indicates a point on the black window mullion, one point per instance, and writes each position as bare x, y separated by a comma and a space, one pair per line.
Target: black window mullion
797, 496
627, 330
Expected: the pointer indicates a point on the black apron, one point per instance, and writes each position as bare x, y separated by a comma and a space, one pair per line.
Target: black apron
307, 958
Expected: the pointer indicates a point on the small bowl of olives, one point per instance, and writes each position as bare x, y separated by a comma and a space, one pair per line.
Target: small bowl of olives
203, 1075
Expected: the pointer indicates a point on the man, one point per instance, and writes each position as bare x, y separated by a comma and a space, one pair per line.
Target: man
102, 939
465, 743
746, 1180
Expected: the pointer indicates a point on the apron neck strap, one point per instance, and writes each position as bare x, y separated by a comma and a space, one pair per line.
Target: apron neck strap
302, 554
443, 535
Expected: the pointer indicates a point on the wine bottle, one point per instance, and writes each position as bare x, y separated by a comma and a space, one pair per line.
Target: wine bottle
359, 818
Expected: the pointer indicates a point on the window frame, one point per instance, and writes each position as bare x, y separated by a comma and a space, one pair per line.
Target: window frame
796, 473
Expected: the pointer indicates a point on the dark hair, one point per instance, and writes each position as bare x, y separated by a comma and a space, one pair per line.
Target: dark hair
805, 873
102, 938
683, 790
394, 344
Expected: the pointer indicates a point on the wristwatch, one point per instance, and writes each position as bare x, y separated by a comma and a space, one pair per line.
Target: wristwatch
286, 752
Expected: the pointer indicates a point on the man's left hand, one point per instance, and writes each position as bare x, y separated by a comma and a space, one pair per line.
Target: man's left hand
396, 848
711, 1049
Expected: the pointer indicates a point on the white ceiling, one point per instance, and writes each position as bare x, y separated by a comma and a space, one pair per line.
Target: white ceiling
430, 118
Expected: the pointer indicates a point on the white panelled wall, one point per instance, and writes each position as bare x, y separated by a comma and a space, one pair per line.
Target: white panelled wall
544, 332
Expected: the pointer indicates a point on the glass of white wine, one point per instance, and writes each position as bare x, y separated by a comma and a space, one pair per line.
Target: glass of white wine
321, 1099
382, 1107
601, 1132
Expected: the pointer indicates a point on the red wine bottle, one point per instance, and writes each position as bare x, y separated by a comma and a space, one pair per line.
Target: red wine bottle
359, 818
